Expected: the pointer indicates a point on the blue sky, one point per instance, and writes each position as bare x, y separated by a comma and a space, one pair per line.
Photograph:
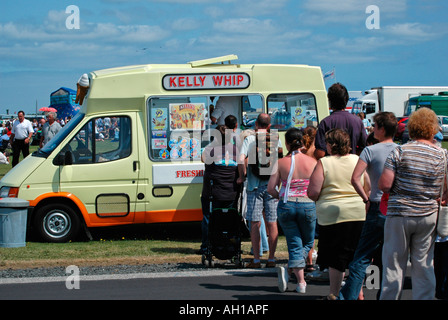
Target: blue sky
39, 54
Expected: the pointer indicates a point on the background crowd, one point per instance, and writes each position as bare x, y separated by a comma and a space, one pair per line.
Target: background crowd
17, 134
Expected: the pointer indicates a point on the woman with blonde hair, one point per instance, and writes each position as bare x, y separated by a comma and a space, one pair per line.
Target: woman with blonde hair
413, 175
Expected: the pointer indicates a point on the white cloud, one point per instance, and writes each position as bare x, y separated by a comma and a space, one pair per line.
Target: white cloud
140, 33
260, 7
214, 12
245, 26
353, 6
102, 32
348, 12
416, 31
184, 24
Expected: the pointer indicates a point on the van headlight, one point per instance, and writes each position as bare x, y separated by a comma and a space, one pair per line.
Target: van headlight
9, 192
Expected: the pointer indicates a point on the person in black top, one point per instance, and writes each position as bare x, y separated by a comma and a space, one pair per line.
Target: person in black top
220, 176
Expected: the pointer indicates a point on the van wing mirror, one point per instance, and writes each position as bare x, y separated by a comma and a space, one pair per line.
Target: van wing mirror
64, 158
68, 158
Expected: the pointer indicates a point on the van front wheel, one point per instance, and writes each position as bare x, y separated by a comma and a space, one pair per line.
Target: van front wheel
56, 223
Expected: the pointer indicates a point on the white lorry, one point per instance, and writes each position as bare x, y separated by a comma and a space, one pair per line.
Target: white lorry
388, 98
352, 97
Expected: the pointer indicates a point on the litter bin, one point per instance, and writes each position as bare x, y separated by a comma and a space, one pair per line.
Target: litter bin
13, 215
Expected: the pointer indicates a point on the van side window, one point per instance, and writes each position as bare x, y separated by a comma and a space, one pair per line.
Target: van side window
179, 127
101, 140
292, 110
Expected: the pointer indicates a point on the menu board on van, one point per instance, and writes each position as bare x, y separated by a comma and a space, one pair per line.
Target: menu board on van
190, 116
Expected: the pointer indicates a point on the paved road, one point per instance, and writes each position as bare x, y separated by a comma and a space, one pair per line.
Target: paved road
211, 284
212, 292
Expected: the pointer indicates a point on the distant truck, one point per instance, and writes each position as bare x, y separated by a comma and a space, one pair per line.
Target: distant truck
352, 97
437, 102
394, 99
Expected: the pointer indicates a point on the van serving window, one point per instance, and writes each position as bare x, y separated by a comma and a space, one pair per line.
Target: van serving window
292, 110
181, 126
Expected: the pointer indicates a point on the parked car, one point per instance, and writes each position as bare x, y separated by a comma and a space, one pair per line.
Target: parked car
401, 126
405, 135
443, 122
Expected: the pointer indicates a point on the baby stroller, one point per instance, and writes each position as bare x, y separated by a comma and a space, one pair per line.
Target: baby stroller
224, 235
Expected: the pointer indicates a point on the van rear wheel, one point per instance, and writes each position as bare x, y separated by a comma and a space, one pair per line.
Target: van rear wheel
56, 223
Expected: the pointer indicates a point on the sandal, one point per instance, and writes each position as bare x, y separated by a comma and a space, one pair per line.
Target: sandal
309, 268
330, 297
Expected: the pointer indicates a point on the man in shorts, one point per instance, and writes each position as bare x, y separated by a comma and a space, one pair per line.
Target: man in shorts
258, 198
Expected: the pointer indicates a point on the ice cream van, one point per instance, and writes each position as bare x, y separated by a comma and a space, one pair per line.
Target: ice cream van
132, 155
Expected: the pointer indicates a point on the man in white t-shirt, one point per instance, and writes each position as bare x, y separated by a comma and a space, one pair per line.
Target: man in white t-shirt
21, 133
224, 107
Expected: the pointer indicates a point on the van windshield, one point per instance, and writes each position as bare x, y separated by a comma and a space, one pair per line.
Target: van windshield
59, 137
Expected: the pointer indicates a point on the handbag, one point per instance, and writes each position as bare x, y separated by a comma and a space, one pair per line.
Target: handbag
442, 220
383, 203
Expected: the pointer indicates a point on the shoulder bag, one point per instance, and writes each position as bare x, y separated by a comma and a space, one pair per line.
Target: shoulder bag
442, 220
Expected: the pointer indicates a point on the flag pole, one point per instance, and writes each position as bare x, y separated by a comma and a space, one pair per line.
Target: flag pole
334, 72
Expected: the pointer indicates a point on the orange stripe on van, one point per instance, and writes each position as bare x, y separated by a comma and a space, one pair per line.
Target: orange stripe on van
158, 216
173, 215
67, 195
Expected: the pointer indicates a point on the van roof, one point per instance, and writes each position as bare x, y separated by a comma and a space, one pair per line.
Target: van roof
217, 62
129, 87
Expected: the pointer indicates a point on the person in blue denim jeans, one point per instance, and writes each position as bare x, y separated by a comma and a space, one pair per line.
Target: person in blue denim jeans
298, 222
296, 213
372, 160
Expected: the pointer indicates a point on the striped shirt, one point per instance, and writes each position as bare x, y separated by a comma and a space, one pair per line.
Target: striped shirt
419, 174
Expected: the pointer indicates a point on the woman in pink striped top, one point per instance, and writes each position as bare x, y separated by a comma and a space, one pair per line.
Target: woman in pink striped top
296, 212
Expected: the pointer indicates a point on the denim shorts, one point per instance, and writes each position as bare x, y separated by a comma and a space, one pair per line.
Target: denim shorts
259, 200
298, 222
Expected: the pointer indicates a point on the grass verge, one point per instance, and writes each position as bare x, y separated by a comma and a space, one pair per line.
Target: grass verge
111, 252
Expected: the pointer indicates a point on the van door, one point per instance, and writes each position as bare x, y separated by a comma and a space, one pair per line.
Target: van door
102, 169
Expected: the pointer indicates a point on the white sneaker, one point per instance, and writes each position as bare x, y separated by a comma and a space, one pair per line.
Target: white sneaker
301, 288
283, 279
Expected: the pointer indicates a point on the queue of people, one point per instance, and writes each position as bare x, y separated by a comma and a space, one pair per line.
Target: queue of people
333, 186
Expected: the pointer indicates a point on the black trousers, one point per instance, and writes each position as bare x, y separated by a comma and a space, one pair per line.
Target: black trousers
17, 147
441, 269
